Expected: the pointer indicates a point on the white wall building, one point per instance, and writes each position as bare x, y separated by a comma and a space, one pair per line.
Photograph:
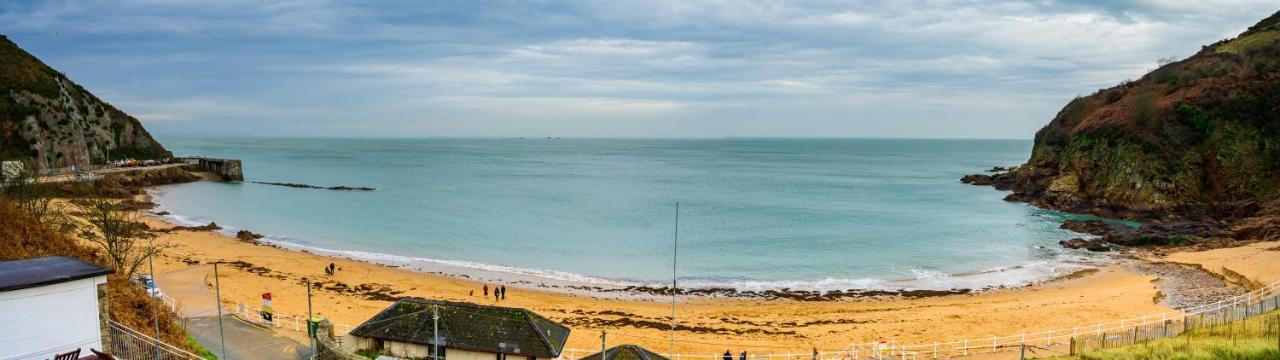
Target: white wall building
50, 305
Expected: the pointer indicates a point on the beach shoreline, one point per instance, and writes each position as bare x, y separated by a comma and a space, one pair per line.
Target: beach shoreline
706, 324
918, 283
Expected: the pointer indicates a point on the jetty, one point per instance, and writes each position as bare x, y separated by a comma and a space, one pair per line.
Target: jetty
228, 169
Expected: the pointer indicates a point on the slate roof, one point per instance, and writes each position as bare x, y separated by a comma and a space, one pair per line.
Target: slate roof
467, 326
626, 352
29, 273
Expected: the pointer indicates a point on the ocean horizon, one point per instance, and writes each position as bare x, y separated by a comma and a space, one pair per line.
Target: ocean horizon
755, 213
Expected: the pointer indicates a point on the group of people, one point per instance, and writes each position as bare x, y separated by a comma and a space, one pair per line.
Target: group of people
729, 356
330, 270
499, 292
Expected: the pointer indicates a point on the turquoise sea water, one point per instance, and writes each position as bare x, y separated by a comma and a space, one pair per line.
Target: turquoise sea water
755, 213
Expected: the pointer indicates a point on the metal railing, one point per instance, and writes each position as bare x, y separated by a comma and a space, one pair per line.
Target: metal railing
129, 344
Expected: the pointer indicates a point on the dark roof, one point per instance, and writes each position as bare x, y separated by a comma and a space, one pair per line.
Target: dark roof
467, 326
27, 273
626, 352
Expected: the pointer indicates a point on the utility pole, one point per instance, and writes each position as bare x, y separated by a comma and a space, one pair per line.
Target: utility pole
675, 253
311, 334
435, 332
604, 355
155, 306
217, 293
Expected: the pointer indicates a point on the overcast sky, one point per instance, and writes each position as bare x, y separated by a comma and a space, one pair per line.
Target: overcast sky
652, 68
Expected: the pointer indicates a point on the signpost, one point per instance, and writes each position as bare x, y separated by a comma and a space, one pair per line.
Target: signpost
266, 308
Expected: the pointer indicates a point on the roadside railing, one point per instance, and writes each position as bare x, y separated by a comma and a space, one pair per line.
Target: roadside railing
129, 344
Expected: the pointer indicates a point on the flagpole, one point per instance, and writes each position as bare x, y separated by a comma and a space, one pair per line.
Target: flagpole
675, 252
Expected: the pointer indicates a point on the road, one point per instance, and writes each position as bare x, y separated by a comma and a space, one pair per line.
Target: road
199, 315
244, 341
101, 172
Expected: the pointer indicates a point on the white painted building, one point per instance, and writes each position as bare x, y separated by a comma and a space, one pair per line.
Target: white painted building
51, 305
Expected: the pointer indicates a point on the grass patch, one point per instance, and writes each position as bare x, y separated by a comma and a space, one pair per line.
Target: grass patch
1256, 337
199, 349
1187, 348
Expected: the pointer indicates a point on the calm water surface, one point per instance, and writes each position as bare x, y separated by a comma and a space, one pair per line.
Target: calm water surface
755, 213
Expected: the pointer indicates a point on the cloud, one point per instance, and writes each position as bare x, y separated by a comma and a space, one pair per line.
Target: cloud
677, 66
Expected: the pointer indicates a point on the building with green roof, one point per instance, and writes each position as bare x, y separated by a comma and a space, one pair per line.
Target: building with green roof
467, 332
626, 352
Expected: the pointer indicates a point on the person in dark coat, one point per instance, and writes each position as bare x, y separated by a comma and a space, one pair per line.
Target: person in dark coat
743, 356
486, 290
728, 355
504, 292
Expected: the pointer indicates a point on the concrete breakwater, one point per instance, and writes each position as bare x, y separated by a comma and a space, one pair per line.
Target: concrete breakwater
228, 169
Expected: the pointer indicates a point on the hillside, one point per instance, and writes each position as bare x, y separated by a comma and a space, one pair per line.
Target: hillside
48, 121
21, 237
1193, 146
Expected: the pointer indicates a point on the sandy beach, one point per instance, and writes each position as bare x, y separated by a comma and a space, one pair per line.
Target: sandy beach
706, 325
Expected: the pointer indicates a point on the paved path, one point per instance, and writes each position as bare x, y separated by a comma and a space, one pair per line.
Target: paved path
244, 341
196, 306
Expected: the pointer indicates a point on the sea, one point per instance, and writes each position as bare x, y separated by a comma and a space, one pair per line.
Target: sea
752, 214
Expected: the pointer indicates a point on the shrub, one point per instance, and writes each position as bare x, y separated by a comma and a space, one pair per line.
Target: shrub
1114, 95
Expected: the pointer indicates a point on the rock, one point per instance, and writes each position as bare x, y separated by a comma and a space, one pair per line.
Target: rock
1001, 181
1065, 184
305, 186
247, 236
1091, 244
998, 169
1096, 227
1176, 233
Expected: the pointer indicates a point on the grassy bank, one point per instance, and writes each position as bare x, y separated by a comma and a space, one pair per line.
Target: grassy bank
1254, 338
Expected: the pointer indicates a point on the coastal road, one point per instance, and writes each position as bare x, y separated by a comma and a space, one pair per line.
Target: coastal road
244, 340
196, 307
93, 174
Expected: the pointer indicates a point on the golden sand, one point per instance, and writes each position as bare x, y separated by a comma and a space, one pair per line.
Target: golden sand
1252, 266
708, 326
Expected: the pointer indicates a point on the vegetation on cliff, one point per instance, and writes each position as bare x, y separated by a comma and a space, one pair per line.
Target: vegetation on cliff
48, 121
1195, 141
23, 237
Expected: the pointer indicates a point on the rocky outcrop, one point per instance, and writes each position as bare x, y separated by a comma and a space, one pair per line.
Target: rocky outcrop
305, 186
1190, 148
1000, 180
47, 121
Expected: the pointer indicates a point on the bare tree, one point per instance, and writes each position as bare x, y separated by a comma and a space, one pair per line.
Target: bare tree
36, 199
128, 242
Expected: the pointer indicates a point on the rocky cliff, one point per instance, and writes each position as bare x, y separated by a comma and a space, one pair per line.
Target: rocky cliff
1194, 141
48, 121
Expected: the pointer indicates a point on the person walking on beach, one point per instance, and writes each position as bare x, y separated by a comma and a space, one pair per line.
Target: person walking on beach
743, 356
486, 290
728, 355
504, 292
332, 269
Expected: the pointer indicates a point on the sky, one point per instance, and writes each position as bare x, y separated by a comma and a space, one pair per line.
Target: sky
619, 68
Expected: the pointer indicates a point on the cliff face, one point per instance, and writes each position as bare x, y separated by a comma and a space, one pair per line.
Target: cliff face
1197, 138
48, 121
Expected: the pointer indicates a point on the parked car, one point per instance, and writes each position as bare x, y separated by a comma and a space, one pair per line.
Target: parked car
150, 285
